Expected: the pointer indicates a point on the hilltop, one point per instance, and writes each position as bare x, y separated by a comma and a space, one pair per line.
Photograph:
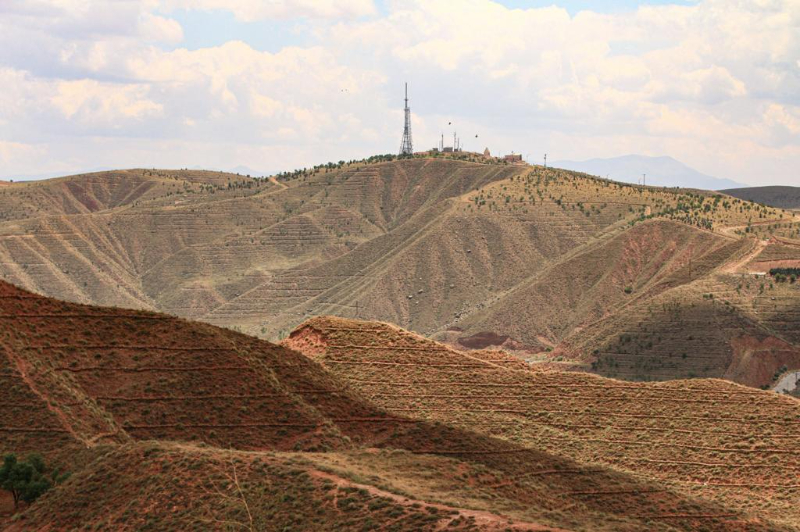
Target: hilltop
168, 424
774, 196
471, 251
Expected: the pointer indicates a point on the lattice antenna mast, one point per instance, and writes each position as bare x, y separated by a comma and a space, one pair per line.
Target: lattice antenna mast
406, 147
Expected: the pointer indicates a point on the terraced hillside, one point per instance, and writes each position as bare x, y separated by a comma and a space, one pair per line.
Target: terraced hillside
471, 252
174, 425
709, 438
103, 374
736, 322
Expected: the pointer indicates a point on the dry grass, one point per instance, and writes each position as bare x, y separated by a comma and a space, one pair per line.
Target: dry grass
725, 442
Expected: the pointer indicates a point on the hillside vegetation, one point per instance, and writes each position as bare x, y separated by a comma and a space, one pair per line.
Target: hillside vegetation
168, 424
708, 438
549, 263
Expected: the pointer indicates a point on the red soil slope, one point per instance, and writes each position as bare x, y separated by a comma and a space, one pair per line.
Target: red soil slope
144, 376
103, 378
728, 443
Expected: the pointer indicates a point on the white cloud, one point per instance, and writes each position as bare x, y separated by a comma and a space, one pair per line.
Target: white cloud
93, 101
160, 29
12, 153
718, 78
252, 10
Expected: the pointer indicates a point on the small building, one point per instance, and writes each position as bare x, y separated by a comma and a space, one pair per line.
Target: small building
513, 158
487, 153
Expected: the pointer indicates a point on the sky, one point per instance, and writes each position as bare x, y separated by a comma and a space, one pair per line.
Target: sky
283, 84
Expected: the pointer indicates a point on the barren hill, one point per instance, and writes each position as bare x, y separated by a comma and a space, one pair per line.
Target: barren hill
774, 196
171, 425
710, 438
471, 252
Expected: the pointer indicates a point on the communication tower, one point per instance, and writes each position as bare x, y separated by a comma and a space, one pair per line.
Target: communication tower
406, 147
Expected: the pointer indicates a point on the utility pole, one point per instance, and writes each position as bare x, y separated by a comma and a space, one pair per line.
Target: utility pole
545, 160
644, 180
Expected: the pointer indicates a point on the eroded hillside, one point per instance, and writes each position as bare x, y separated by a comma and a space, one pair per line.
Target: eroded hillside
546, 262
709, 438
173, 425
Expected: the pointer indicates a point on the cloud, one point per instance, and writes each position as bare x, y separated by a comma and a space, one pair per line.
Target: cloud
16, 152
92, 101
782, 124
253, 10
699, 82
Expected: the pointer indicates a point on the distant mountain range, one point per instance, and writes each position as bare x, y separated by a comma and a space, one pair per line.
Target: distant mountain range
660, 171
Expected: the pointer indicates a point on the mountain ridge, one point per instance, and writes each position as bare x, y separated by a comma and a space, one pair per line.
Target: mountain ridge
456, 249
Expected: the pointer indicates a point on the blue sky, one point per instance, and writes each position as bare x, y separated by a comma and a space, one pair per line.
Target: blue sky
290, 83
203, 29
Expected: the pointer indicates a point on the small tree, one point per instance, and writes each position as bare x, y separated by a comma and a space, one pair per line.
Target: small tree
27, 479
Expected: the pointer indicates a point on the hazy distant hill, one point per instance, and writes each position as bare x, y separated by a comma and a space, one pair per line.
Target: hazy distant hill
782, 197
661, 171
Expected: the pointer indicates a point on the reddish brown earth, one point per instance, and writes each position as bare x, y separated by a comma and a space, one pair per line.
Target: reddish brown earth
116, 396
711, 438
560, 265
756, 361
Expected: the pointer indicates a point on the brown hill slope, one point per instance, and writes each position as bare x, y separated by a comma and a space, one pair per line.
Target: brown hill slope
734, 322
100, 380
149, 376
184, 487
88, 193
600, 279
774, 196
448, 248
711, 438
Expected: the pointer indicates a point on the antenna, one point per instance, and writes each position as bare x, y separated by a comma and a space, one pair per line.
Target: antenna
406, 147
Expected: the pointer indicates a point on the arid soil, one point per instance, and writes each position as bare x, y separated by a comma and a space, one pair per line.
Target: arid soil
563, 266
168, 424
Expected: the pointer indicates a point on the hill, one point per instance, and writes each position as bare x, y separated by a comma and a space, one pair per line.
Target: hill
774, 196
709, 438
660, 171
168, 424
453, 248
